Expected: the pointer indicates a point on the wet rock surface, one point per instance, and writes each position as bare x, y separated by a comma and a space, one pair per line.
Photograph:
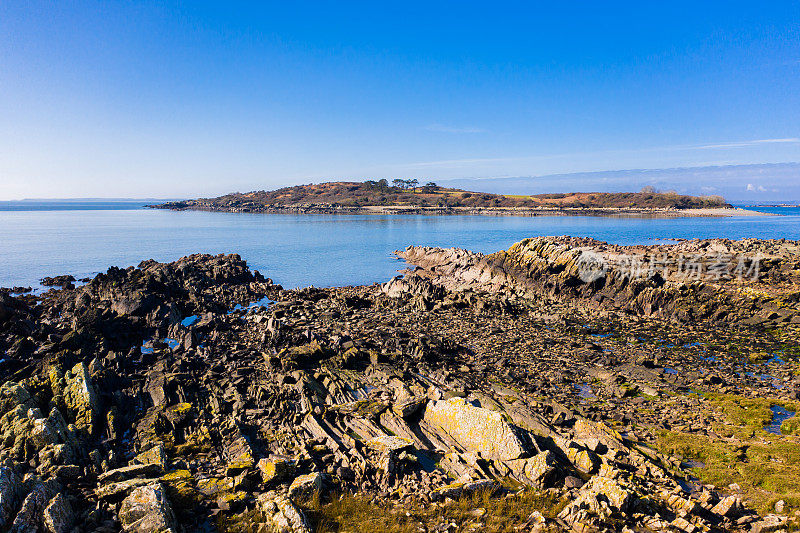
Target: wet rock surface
198, 395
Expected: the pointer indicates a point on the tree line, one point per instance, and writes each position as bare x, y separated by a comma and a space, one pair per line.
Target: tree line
401, 184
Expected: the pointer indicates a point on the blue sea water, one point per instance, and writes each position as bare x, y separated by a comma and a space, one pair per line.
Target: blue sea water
43, 239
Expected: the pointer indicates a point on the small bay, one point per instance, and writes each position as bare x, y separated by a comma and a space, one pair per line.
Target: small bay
38, 239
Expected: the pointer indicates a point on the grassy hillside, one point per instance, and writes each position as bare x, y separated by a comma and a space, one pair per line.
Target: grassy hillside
381, 193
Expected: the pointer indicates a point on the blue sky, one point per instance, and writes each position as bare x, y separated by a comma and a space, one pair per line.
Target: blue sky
200, 98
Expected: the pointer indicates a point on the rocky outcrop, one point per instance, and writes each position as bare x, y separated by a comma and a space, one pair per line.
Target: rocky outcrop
749, 281
456, 382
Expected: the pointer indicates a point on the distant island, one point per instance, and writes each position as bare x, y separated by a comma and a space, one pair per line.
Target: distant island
411, 197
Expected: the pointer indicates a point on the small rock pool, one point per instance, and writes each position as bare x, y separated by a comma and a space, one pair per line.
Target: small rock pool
779, 415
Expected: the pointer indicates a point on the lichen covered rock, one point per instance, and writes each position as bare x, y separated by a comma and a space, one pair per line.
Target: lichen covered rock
476, 429
81, 398
147, 510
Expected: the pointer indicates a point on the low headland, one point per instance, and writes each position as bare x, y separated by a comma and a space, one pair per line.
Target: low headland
562, 384
409, 197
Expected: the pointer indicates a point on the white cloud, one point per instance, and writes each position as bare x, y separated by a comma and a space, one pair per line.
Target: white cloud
662, 152
741, 144
753, 188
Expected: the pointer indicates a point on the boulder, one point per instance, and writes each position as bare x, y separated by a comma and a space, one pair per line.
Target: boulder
476, 429
276, 468
10, 489
34, 504
305, 486
130, 472
153, 456
113, 491
285, 517
601, 496
537, 471
730, 506
409, 406
771, 522
58, 516
81, 398
583, 459
147, 510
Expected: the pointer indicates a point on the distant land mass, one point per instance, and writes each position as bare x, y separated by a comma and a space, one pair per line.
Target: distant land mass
774, 183
408, 196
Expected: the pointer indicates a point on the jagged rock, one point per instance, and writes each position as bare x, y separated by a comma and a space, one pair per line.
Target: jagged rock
601, 496
58, 516
81, 397
147, 510
238, 452
28, 516
212, 486
537, 471
583, 459
276, 468
285, 517
412, 285
157, 388
589, 430
389, 443
179, 413
153, 456
233, 501
476, 428
409, 406
771, 522
455, 490
130, 472
304, 486
339, 378
729, 506
10, 489
12, 395
115, 490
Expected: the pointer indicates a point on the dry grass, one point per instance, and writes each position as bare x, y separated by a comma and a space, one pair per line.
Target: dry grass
764, 465
479, 512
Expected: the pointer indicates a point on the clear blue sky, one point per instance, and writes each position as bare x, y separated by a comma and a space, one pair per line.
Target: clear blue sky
197, 98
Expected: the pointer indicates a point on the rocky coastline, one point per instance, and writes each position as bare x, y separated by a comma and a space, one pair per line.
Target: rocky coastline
561, 385
333, 209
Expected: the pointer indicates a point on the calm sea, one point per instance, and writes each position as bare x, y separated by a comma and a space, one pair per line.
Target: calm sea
82, 239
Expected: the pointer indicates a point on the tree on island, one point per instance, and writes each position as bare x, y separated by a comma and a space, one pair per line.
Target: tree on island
430, 187
405, 184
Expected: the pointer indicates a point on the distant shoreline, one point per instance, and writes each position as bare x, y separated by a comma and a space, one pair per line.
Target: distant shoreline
636, 212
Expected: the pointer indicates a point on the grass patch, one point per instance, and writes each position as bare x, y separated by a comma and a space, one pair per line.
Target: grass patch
791, 426
765, 467
247, 522
357, 513
750, 412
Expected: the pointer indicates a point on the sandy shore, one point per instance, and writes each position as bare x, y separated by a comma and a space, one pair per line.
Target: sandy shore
727, 212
